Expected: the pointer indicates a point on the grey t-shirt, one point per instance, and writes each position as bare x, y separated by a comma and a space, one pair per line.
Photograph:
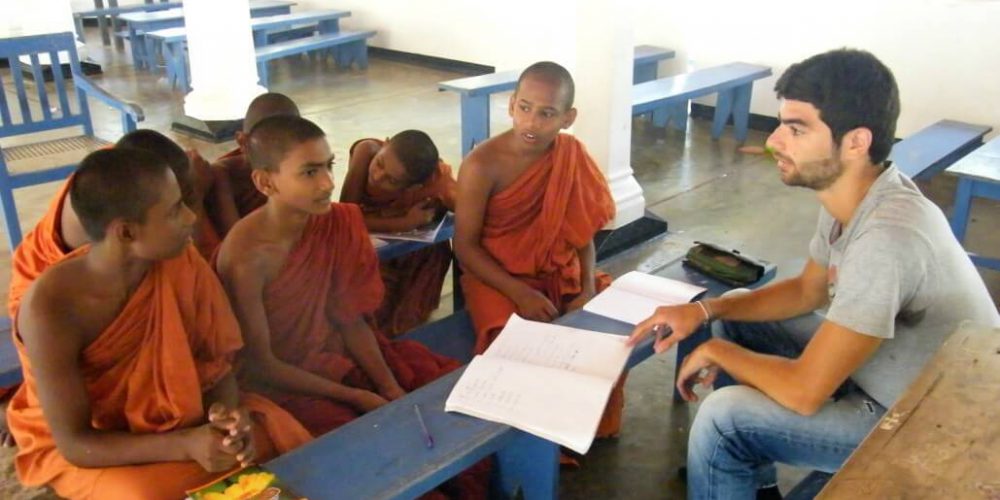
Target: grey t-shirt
897, 272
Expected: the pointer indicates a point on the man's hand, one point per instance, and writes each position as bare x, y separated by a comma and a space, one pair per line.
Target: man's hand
676, 322
534, 305
392, 393
421, 213
203, 444
237, 429
695, 369
580, 301
367, 401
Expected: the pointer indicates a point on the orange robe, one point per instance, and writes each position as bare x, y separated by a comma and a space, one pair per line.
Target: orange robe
533, 229
175, 338
412, 282
331, 275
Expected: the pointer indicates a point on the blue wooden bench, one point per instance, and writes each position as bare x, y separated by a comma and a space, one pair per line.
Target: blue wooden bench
475, 91
140, 23
349, 47
108, 16
732, 82
382, 454
266, 30
978, 176
40, 162
933, 148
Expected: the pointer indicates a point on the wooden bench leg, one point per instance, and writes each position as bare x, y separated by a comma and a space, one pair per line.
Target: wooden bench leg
262, 74
10, 220
644, 72
361, 54
475, 121
78, 26
135, 47
960, 212
741, 111
723, 109
531, 464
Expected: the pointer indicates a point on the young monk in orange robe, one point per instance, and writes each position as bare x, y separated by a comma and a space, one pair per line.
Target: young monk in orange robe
402, 184
302, 274
529, 204
60, 232
127, 347
232, 194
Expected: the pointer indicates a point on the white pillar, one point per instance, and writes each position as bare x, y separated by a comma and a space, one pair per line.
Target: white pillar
41, 17
603, 76
223, 64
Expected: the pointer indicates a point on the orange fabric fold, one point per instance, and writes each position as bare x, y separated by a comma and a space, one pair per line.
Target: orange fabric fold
533, 229
146, 372
412, 282
40, 248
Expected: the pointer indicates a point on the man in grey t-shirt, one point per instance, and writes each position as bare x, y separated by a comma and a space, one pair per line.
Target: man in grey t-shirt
884, 265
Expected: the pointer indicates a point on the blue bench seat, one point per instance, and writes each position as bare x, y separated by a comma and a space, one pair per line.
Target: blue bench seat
732, 82
350, 47
978, 176
933, 148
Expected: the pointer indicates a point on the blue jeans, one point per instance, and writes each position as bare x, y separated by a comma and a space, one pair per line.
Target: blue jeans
739, 433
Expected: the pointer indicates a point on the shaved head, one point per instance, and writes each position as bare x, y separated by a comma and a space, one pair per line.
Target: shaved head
272, 139
162, 146
268, 105
553, 74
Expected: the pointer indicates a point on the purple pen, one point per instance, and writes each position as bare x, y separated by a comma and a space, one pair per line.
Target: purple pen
428, 439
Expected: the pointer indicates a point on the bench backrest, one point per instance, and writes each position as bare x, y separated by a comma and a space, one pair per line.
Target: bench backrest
697, 83
506, 80
124, 9
35, 106
933, 148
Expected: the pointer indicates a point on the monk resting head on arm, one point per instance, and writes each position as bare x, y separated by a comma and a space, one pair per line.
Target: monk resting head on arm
302, 274
401, 184
127, 347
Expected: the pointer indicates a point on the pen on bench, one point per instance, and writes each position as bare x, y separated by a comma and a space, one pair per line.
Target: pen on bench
428, 439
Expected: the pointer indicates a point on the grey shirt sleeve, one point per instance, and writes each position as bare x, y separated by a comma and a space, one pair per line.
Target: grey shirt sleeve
881, 271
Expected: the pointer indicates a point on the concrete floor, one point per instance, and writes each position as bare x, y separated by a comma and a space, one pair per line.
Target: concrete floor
704, 188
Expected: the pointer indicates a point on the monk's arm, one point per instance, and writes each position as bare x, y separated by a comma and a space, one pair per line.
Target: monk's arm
361, 344
225, 391
54, 343
357, 172
225, 214
245, 287
474, 189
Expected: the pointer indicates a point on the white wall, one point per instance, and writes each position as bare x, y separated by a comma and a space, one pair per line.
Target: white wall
945, 53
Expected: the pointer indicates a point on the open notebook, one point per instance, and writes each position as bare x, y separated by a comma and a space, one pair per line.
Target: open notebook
425, 234
549, 380
635, 296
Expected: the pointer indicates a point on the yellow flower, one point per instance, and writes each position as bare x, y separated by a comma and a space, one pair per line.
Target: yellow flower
245, 488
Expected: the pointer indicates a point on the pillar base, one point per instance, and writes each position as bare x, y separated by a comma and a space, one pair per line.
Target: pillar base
214, 131
610, 242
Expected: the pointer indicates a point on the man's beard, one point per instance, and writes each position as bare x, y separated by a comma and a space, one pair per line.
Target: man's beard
816, 175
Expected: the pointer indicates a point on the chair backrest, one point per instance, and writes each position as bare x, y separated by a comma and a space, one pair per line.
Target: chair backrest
40, 106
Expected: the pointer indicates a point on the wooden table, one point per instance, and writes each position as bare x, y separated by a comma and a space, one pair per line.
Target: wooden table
978, 176
942, 438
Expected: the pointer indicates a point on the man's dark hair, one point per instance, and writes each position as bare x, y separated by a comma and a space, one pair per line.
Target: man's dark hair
553, 73
164, 147
417, 152
851, 89
272, 139
116, 183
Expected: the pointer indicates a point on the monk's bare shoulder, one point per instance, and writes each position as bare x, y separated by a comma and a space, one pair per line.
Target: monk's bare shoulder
244, 253
485, 160
62, 299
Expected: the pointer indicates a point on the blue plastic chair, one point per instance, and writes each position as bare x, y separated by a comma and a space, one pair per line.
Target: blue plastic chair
46, 107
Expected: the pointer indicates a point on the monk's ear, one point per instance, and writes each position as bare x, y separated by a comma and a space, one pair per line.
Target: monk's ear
568, 118
262, 180
121, 230
510, 104
241, 140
